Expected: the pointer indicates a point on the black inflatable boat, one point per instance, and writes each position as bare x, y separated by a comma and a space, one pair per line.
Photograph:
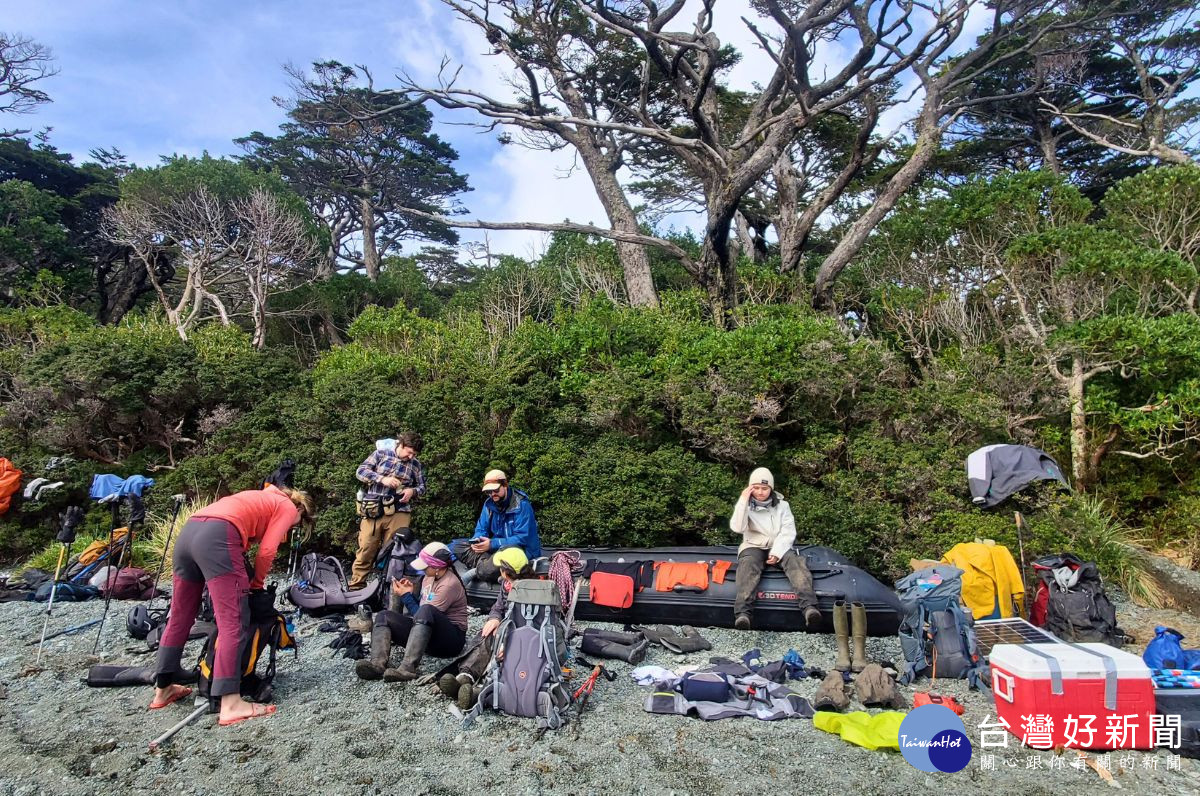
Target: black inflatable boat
834, 579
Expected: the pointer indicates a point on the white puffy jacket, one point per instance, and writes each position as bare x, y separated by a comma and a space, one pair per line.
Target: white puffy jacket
772, 529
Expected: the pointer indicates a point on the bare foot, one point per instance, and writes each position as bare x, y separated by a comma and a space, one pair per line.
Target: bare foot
235, 710
169, 695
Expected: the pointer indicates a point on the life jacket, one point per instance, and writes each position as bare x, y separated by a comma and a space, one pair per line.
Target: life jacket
936, 633
1070, 601
991, 581
10, 483
267, 634
524, 677
322, 587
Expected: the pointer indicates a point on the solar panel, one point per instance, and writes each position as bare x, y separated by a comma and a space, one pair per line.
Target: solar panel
990, 632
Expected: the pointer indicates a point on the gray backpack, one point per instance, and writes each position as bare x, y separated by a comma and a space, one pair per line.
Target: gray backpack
524, 677
936, 633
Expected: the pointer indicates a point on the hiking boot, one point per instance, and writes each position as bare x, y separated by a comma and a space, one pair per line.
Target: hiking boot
841, 628
742, 622
858, 623
465, 678
468, 693
414, 650
875, 687
448, 685
812, 617
475, 662
373, 666
832, 693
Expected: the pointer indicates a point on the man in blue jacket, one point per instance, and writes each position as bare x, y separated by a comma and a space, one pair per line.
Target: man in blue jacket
506, 521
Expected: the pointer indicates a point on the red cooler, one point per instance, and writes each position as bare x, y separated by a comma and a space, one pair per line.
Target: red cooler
1085, 696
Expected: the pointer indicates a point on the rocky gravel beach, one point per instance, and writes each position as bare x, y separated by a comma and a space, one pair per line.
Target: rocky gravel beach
335, 734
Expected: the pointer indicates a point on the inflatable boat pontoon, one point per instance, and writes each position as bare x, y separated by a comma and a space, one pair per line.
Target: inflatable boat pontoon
834, 579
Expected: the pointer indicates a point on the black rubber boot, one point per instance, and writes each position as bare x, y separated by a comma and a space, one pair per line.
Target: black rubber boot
594, 643
414, 650
373, 666
614, 636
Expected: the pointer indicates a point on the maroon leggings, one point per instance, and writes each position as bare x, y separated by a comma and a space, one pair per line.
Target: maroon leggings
207, 552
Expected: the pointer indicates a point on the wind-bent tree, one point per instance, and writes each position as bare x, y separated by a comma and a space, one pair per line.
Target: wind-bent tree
681, 107
677, 102
51, 221
569, 69
356, 159
23, 62
1017, 133
951, 86
234, 237
1099, 320
1158, 41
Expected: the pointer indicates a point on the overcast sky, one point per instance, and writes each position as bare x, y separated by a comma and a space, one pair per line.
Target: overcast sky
187, 76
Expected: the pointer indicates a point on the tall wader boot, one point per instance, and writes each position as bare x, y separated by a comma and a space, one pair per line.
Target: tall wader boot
858, 631
373, 666
414, 650
841, 628
628, 647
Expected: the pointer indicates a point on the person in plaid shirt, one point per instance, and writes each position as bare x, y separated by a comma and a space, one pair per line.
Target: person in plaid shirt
394, 478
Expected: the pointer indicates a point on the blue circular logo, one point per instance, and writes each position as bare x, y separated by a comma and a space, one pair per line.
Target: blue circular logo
933, 738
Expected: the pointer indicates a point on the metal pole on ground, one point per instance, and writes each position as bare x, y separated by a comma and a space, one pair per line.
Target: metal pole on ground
74, 629
200, 710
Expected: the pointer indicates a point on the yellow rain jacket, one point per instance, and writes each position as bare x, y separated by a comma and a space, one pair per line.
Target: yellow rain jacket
881, 731
990, 578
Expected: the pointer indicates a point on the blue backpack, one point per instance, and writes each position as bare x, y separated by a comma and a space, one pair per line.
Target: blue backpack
936, 633
65, 593
1165, 651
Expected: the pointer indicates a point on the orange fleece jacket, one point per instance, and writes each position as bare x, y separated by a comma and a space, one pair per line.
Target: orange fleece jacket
260, 515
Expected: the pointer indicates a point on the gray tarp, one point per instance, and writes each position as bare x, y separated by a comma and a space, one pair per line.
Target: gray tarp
996, 471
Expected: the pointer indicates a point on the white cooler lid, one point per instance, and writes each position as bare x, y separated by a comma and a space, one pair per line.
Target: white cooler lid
1074, 662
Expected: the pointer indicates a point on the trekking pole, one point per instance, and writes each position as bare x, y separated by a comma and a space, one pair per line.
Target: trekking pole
66, 534
74, 629
166, 736
589, 685
1020, 521
179, 499
115, 505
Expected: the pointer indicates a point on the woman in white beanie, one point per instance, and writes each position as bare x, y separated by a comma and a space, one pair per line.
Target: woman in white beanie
764, 520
